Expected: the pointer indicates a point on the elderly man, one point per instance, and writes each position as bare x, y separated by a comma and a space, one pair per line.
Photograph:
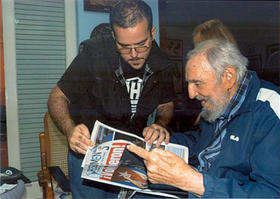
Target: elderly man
236, 152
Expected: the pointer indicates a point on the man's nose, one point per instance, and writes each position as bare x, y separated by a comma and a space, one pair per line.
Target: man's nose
192, 92
133, 52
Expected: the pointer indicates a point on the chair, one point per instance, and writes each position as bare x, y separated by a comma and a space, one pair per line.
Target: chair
54, 149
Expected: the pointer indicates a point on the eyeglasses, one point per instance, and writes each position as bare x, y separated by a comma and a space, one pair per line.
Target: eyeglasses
139, 49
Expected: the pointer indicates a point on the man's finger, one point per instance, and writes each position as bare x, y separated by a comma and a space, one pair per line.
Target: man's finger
86, 140
148, 133
84, 130
167, 137
161, 138
144, 133
154, 137
139, 151
81, 150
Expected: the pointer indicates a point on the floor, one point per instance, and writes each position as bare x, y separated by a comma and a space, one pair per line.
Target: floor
33, 191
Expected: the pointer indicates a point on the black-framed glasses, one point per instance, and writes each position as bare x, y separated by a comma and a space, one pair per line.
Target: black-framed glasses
127, 50
139, 49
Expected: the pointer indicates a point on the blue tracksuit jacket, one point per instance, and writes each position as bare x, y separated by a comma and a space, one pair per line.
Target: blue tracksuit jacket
249, 162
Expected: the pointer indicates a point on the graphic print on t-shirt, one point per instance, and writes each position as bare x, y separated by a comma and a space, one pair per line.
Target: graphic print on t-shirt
134, 87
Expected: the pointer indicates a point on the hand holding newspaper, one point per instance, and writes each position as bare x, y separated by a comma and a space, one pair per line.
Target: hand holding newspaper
110, 162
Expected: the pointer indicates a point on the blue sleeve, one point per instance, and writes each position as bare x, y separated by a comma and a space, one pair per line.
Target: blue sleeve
188, 139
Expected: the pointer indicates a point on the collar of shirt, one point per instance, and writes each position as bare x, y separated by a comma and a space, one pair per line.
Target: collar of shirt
120, 75
237, 99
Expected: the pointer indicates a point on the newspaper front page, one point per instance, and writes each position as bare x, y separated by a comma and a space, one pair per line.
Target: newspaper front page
110, 162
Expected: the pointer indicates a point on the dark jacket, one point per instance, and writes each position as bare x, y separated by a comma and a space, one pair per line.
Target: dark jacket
249, 162
96, 93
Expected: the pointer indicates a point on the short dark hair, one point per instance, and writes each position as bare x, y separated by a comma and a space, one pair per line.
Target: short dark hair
128, 13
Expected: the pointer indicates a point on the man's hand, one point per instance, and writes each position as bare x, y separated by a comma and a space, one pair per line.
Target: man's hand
164, 167
79, 139
156, 132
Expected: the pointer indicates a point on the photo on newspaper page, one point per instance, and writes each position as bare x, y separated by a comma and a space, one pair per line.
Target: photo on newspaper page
110, 162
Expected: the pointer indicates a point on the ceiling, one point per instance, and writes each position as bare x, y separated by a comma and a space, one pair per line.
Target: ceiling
192, 12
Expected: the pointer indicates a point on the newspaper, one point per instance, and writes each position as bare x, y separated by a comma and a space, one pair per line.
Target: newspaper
110, 162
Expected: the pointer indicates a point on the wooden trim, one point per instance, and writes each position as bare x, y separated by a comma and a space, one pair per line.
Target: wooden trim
47, 137
43, 150
4, 147
44, 176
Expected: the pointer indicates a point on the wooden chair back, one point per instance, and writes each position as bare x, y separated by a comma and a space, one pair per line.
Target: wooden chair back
56, 145
54, 150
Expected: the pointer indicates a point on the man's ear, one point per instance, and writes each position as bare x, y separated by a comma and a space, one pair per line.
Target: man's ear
153, 32
229, 76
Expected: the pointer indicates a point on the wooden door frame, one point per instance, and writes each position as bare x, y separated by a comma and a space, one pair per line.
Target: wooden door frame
3, 144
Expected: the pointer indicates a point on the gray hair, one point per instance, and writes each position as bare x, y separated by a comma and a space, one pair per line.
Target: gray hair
219, 54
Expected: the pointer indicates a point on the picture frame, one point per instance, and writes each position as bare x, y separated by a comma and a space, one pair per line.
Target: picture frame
174, 47
270, 49
255, 62
272, 62
99, 5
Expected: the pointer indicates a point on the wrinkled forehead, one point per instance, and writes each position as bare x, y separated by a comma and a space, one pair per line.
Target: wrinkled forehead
197, 68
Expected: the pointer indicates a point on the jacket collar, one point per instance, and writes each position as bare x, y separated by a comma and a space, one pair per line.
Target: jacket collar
121, 78
253, 89
157, 59
250, 98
